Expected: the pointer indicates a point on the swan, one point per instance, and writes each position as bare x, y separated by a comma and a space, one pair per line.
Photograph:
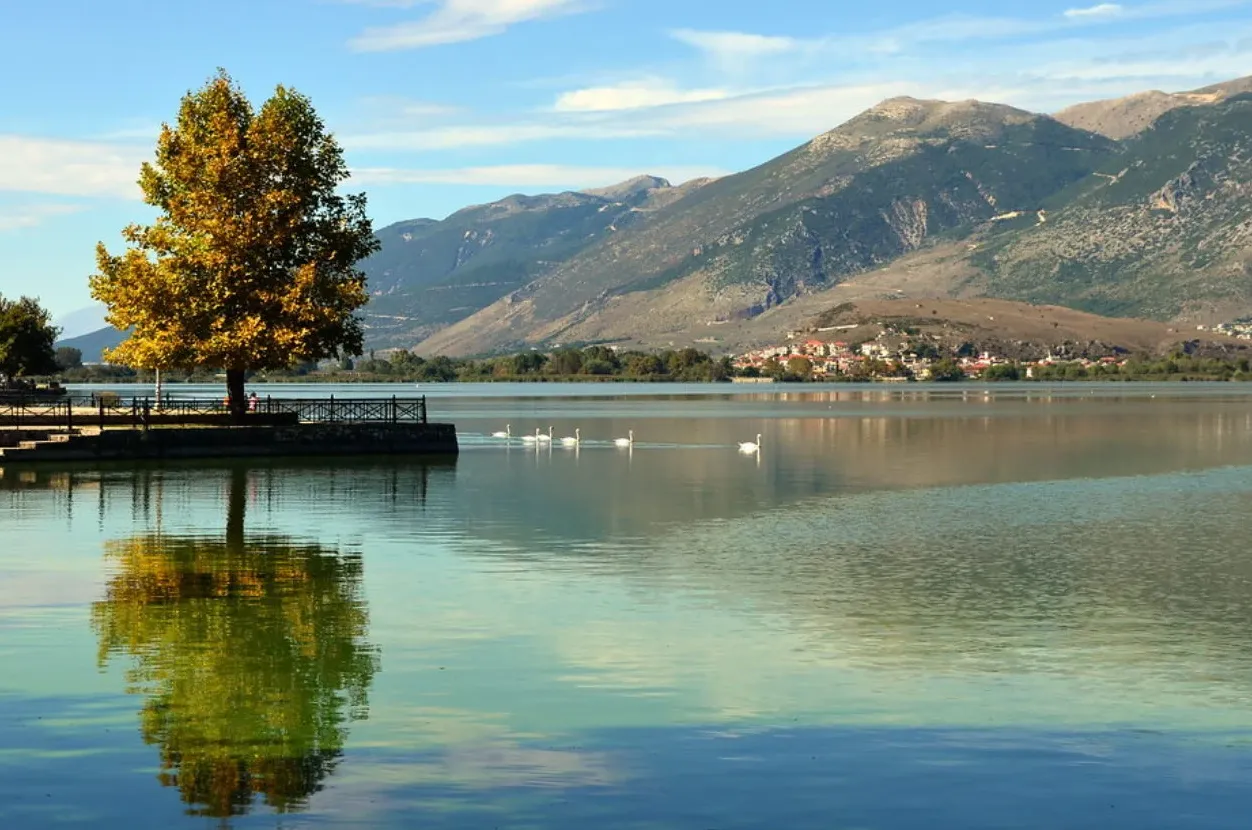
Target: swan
508, 432
626, 442
751, 446
573, 441
531, 439
544, 438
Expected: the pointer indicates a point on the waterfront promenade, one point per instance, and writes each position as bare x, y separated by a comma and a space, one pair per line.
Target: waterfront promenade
110, 427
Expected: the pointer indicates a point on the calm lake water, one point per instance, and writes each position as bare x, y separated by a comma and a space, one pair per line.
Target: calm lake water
920, 607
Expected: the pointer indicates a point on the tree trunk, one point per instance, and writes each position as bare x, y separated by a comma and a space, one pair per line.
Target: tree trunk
236, 509
234, 389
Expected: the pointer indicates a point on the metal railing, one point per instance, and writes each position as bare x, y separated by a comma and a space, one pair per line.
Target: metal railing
334, 410
108, 409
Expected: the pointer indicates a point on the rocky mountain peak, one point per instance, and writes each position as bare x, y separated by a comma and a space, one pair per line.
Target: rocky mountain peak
901, 122
1120, 118
631, 187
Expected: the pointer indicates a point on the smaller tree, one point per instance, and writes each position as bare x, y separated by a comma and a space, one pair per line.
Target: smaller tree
566, 362
26, 338
68, 357
800, 367
947, 370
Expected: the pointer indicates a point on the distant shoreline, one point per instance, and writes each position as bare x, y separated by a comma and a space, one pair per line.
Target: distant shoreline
659, 381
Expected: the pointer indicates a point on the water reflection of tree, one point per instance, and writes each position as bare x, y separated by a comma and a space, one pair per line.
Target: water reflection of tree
251, 652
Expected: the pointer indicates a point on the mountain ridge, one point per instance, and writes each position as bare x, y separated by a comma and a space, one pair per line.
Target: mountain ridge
978, 180
778, 206
1121, 118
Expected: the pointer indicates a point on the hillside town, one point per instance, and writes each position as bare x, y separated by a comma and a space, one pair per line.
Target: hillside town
896, 356
1240, 329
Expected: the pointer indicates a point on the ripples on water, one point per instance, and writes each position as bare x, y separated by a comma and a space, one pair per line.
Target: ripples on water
985, 611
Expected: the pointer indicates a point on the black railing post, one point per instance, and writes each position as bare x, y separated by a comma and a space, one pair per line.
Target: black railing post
69, 414
147, 415
395, 411
100, 403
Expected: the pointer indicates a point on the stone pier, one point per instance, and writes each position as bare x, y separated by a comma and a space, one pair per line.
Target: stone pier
272, 441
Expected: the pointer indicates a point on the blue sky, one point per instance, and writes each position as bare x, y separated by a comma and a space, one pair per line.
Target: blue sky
444, 103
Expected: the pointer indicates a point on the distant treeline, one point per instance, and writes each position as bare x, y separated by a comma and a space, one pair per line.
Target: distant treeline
1176, 367
598, 363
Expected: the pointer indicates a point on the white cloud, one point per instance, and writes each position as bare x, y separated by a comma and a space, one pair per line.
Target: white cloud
797, 111
524, 175
69, 168
490, 135
16, 217
1104, 11
399, 107
1199, 70
727, 48
456, 21
652, 92
143, 132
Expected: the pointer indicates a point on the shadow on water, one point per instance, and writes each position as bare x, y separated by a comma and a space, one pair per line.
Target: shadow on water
250, 652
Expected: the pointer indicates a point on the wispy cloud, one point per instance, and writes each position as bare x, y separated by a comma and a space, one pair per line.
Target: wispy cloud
650, 92
739, 51
398, 107
1203, 68
142, 132
69, 168
15, 217
456, 21
730, 50
1102, 11
491, 135
524, 175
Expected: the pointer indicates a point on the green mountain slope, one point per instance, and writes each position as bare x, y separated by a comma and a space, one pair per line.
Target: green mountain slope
886, 183
1163, 230
429, 274
94, 343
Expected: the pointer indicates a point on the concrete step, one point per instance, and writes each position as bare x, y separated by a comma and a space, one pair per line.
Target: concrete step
55, 446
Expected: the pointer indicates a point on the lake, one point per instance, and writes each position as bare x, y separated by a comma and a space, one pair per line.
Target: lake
1011, 606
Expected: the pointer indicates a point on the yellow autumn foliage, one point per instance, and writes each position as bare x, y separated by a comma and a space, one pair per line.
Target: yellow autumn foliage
252, 260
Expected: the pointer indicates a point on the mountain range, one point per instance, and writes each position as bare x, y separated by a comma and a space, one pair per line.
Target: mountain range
1135, 207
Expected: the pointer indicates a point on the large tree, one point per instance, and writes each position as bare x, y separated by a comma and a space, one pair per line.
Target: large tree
26, 338
251, 263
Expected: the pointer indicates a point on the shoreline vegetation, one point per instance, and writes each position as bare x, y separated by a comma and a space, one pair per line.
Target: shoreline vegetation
599, 364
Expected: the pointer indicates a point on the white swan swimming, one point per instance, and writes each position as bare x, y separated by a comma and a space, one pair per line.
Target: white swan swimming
545, 438
626, 442
508, 432
574, 440
531, 439
751, 446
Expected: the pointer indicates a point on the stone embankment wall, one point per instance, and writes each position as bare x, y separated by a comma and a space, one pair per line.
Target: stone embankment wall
10, 437
309, 440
